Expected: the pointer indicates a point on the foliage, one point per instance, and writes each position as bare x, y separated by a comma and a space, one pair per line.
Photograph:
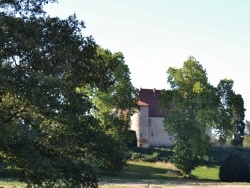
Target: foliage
234, 169
231, 114
247, 130
151, 154
191, 105
144, 157
114, 105
49, 131
246, 141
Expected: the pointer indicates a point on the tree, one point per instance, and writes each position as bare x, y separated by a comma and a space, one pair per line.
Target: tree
247, 130
232, 112
191, 105
247, 133
239, 125
49, 132
115, 105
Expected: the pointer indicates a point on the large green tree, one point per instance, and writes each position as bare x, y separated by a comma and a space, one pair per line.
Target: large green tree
191, 106
49, 132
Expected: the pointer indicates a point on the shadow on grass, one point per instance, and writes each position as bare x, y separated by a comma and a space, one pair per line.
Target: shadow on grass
141, 173
137, 172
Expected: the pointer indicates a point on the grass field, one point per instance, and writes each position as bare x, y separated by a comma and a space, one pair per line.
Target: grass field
206, 173
154, 175
143, 174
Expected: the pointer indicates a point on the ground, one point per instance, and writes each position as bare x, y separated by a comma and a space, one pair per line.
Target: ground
193, 185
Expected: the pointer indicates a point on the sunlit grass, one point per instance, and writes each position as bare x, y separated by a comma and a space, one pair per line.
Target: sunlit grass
142, 172
206, 173
11, 184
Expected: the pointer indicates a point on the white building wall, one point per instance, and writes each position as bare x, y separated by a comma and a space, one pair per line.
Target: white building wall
139, 123
134, 123
157, 134
150, 131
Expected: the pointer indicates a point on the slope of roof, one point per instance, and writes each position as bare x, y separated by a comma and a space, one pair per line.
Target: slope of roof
151, 97
140, 103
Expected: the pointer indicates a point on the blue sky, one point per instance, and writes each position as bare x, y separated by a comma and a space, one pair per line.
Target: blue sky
154, 35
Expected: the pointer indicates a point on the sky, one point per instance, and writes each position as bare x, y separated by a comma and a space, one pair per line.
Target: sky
154, 35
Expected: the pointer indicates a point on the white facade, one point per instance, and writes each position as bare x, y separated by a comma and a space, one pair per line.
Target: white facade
150, 130
147, 122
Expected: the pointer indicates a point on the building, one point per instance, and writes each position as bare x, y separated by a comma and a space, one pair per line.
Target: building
148, 121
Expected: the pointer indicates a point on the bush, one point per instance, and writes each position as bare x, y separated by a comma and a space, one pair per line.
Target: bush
234, 169
143, 157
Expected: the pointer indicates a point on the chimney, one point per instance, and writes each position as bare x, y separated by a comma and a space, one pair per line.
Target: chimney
154, 91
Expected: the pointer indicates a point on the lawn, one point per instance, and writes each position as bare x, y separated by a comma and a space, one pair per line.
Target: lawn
154, 175
206, 173
143, 174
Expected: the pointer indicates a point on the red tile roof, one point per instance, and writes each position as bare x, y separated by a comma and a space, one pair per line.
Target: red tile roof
140, 103
151, 98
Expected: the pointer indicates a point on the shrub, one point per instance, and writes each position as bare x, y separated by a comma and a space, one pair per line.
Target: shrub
234, 169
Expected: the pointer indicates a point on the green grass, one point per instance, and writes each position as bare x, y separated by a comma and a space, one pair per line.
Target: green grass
11, 184
143, 172
140, 171
154, 175
206, 173
146, 172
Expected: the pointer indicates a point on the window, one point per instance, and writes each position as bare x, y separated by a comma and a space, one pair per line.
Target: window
149, 122
152, 134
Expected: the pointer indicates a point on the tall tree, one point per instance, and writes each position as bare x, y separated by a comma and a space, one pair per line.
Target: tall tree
239, 125
191, 105
247, 133
48, 131
247, 127
232, 112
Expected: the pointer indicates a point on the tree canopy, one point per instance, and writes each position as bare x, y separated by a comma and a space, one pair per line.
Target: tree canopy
232, 112
193, 108
191, 114
50, 132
